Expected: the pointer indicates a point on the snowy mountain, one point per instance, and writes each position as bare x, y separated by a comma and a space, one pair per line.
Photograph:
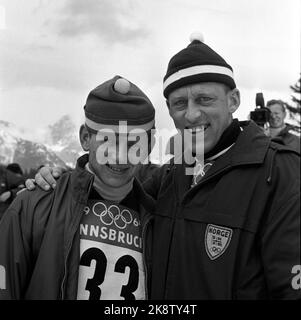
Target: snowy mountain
58, 145
62, 138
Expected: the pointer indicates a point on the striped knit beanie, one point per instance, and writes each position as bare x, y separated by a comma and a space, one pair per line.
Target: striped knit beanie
196, 63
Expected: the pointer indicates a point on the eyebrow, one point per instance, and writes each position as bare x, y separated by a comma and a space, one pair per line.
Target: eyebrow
195, 95
183, 96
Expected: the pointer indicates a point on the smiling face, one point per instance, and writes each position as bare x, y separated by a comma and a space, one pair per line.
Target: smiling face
117, 170
204, 108
277, 116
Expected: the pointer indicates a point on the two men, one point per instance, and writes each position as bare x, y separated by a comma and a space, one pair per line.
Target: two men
232, 230
85, 239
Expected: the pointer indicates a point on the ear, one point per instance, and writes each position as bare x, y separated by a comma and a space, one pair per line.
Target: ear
84, 137
234, 100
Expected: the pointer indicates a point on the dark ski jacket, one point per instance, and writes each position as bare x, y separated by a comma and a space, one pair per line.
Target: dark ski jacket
40, 240
236, 234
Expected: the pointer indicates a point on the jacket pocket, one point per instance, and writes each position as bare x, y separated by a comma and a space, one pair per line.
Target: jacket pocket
227, 220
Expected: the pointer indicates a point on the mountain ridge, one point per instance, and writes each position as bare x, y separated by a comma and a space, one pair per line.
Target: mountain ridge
58, 145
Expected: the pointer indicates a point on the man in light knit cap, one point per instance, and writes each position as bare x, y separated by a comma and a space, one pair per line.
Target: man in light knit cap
232, 229
85, 239
279, 130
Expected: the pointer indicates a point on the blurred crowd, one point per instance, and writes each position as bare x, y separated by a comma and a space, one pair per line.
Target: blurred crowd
12, 180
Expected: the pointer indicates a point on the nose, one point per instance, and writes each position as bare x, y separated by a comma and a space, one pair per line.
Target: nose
193, 112
121, 153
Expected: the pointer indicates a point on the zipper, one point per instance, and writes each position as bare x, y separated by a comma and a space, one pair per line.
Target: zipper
144, 254
77, 222
65, 271
176, 192
68, 252
205, 180
179, 206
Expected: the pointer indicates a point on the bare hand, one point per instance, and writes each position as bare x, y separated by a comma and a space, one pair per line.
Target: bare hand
30, 184
45, 178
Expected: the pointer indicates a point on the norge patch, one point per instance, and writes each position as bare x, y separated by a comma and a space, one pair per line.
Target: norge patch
217, 239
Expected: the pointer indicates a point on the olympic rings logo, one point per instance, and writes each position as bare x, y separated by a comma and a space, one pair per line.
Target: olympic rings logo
112, 215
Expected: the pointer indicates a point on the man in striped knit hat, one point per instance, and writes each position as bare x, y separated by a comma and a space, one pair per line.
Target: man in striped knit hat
232, 230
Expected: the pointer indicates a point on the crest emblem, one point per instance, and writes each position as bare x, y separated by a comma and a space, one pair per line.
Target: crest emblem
217, 240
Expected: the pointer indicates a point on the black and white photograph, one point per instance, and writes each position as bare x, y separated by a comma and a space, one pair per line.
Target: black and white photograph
150, 150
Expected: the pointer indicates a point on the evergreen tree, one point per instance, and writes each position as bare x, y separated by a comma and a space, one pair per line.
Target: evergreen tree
295, 110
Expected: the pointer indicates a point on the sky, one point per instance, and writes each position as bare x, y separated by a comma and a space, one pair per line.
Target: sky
54, 52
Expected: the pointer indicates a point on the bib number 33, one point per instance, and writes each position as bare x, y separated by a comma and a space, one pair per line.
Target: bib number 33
93, 284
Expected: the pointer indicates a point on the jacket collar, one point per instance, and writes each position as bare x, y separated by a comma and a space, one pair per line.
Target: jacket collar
285, 130
81, 180
144, 199
250, 148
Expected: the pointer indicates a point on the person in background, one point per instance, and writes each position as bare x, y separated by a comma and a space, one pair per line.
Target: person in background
11, 182
279, 130
15, 168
